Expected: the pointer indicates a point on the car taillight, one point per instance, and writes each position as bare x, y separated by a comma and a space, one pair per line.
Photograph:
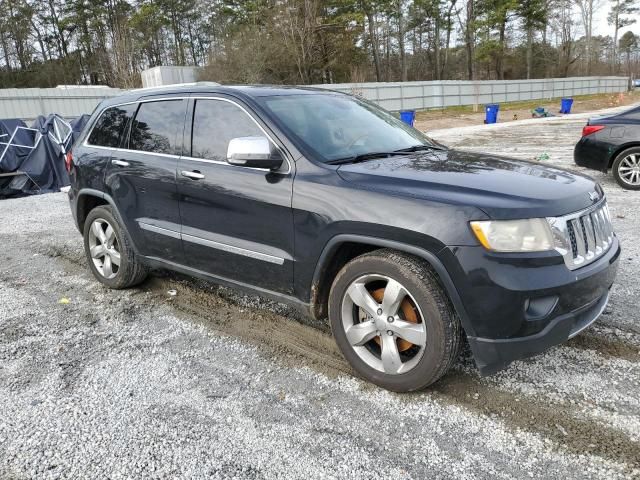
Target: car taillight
589, 129
68, 160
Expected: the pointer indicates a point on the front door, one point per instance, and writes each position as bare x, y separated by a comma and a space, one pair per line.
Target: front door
236, 221
141, 178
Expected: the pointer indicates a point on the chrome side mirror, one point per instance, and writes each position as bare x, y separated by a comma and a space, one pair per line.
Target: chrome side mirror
253, 152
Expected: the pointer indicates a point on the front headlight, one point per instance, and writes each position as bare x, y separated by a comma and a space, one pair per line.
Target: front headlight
529, 235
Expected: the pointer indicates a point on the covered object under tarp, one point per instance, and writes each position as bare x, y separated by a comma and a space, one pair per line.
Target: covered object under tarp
34, 155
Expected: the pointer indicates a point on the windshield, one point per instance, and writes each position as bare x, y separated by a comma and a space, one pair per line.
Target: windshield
336, 126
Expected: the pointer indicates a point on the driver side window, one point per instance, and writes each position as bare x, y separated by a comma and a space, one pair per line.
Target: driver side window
215, 123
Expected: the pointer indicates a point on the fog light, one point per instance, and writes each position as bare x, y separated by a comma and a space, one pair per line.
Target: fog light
539, 308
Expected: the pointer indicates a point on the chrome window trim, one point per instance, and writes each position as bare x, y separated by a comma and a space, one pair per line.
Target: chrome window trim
265, 257
266, 134
186, 157
157, 154
86, 143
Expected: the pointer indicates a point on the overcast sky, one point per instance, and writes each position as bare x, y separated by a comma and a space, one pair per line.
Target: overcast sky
601, 27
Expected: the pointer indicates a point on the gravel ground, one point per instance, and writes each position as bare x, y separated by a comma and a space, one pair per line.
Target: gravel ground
212, 384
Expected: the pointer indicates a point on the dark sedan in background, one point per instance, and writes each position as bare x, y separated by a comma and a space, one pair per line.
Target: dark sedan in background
613, 143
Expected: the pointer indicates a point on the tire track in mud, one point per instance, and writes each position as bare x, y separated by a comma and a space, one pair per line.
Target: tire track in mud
556, 422
293, 343
316, 349
296, 344
606, 346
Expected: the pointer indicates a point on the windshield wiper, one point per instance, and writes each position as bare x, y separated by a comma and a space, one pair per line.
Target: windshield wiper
364, 156
417, 148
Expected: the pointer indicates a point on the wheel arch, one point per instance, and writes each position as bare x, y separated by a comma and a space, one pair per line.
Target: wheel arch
619, 149
88, 199
333, 258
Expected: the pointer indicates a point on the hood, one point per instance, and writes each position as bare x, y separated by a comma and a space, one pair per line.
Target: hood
503, 188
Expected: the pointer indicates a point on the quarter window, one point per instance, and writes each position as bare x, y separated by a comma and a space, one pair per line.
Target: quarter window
110, 127
156, 126
215, 123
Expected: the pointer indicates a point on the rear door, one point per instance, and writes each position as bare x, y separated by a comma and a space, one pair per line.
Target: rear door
105, 136
236, 221
141, 177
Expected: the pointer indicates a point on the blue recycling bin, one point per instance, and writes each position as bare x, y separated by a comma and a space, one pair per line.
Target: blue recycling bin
408, 116
565, 105
491, 113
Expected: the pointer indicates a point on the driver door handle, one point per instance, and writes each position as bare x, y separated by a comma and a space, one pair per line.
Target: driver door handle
195, 175
120, 163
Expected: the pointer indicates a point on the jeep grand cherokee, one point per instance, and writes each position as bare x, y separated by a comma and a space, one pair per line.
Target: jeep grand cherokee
329, 203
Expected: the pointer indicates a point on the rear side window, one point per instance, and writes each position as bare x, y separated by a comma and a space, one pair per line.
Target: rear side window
110, 127
215, 123
156, 126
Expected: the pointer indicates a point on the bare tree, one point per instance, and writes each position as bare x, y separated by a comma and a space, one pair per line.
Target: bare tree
619, 17
587, 9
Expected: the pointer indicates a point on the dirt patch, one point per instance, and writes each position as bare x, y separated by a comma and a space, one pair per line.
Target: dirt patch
555, 422
292, 343
288, 339
465, 116
613, 348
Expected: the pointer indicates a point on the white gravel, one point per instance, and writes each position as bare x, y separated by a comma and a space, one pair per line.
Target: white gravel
123, 384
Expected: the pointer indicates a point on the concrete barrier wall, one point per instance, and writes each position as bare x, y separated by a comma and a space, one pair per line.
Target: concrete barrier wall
28, 103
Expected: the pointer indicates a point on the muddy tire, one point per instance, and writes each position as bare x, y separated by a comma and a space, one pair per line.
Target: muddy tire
626, 168
393, 321
109, 252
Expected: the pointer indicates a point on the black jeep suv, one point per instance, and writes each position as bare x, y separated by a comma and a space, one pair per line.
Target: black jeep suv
324, 201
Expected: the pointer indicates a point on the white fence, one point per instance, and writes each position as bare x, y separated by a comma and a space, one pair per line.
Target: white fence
438, 94
28, 103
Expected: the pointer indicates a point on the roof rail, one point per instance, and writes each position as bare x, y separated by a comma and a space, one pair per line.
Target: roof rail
173, 85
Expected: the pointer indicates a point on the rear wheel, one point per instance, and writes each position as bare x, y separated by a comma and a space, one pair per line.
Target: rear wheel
111, 257
392, 320
626, 169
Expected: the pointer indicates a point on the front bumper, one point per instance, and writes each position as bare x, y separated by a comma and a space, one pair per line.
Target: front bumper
492, 355
517, 305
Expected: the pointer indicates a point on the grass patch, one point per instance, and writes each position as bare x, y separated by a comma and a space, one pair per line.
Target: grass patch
525, 105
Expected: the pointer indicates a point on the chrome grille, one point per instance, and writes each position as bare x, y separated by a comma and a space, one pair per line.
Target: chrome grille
584, 236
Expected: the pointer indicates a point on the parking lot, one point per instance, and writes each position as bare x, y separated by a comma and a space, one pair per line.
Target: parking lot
209, 383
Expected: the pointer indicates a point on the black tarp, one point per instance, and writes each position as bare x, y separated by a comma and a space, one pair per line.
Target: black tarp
77, 124
14, 156
43, 166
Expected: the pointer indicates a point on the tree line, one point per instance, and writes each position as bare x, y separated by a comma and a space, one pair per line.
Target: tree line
51, 42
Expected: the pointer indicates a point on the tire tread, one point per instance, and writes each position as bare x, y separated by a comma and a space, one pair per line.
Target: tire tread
133, 271
425, 275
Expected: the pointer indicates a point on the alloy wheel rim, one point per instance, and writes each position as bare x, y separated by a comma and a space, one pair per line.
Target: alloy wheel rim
104, 248
629, 169
379, 326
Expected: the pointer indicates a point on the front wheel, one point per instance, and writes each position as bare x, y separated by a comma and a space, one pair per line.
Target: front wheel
392, 320
626, 169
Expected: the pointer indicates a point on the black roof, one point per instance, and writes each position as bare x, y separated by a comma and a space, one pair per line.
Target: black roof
209, 88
